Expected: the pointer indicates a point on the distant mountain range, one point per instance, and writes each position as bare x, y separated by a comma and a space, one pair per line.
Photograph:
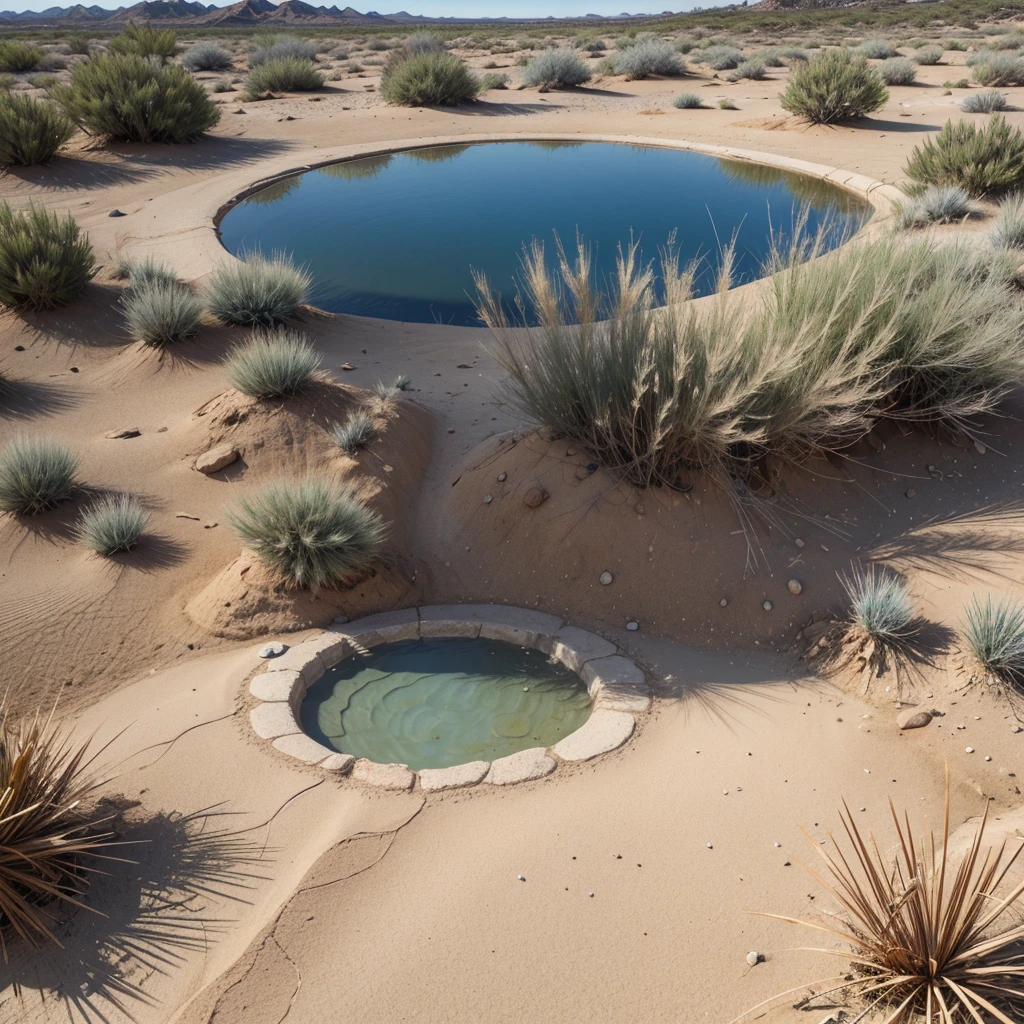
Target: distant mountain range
243, 13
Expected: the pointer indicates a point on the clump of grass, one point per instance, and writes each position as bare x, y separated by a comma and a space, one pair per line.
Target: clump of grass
223, 85
42, 80
650, 57
960, 83
144, 41
289, 46
314, 532
145, 271
424, 42
754, 70
44, 786
897, 71
836, 86
31, 131
877, 49
932, 936
937, 204
45, 261
928, 56
488, 82
273, 364
1008, 231
688, 101
793, 53
988, 101
994, 633
980, 160
257, 291
282, 74
206, 56
17, 57
112, 523
557, 69
78, 42
357, 432
36, 474
161, 312
721, 58
727, 104
996, 69
880, 607
427, 80
128, 98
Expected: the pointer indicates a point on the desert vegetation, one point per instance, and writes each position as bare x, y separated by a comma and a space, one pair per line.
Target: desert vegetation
356, 432
989, 101
112, 523
430, 79
836, 86
259, 291
36, 474
206, 56
557, 69
649, 57
993, 632
273, 364
144, 40
31, 131
936, 204
282, 74
161, 311
1008, 230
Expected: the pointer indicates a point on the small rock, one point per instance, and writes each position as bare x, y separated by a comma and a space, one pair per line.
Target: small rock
910, 492
272, 650
502, 477
535, 497
238, 111
913, 718
488, 498
724, 602
968, 750
1017, 728
632, 626
521, 878
767, 606
709, 846
217, 458
115, 435
605, 578
795, 586
799, 543
347, 366
754, 958
987, 758
980, 448
116, 213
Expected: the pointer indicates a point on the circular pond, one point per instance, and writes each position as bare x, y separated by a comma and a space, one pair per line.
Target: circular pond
399, 236
434, 703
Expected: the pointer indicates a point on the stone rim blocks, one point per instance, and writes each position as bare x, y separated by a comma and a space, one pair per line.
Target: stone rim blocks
617, 686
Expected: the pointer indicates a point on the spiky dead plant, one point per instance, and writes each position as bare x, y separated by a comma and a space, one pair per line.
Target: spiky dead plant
932, 937
44, 831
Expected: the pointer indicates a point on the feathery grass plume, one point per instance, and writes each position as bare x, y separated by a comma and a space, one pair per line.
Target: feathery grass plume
17, 57
927, 56
427, 80
557, 69
424, 42
649, 57
933, 936
315, 532
981, 160
994, 634
257, 291
402, 383
35, 475
880, 604
160, 312
31, 131
897, 71
721, 58
144, 41
273, 364
836, 86
988, 101
688, 101
45, 832
282, 74
127, 98
45, 261
112, 523
937, 204
355, 433
996, 69
206, 56
877, 49
300, 49
1008, 232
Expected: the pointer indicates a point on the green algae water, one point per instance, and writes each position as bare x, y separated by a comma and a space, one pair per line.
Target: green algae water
399, 235
438, 703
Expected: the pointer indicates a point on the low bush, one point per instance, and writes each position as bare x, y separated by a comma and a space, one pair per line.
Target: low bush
877, 49
996, 69
769, 58
1009, 41
956, 45
988, 101
146, 271
793, 53
928, 56
1008, 231
45, 261
556, 69
206, 56
257, 291
282, 74
273, 364
897, 71
35, 475
688, 101
880, 605
994, 634
161, 312
751, 69
17, 57
78, 42
488, 82
223, 85
355, 433
960, 83
127, 98
112, 523
289, 46
721, 58
42, 80
144, 41
836, 86
940, 204
727, 104
980, 160
649, 57
314, 532
425, 42
31, 131
427, 80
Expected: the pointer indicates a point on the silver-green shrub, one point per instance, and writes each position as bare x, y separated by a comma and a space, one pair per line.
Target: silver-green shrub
273, 364
112, 523
257, 290
557, 69
35, 475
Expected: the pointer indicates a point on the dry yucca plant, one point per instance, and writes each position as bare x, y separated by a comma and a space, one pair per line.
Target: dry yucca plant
934, 938
44, 831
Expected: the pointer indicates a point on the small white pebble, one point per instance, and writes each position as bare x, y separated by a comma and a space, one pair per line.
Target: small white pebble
488, 499
987, 758
526, 689
969, 750
724, 602
590, 894
710, 847
778, 846
605, 578
521, 878
739, 789
632, 626
767, 606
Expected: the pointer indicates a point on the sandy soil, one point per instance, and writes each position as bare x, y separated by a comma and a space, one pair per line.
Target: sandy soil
264, 891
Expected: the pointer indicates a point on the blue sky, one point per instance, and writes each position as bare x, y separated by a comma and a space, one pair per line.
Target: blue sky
445, 8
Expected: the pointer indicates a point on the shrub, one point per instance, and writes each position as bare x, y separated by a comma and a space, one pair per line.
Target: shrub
727, 104
112, 523
988, 101
557, 69
44, 260
77, 42
1008, 232
42, 80
6, 81
897, 71
424, 42
936, 204
145, 272
355, 433
314, 532
273, 364
144, 41
282, 74
770, 59
981, 160
960, 83
488, 82
35, 475
161, 312
258, 291
752, 69
128, 98
994, 634
649, 57
31, 131
1009, 41
428, 80
996, 69
206, 57
877, 49
223, 85
793, 53
956, 45
299, 49
17, 57
688, 101
880, 605
721, 58
836, 86
929, 55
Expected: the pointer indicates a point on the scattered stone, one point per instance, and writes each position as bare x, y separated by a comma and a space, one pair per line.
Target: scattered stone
238, 111
116, 213
502, 477
521, 878
125, 432
272, 650
754, 958
913, 718
799, 543
1017, 728
709, 846
535, 497
987, 758
969, 750
488, 498
605, 578
767, 606
795, 587
911, 492
217, 458
632, 626
347, 366
724, 603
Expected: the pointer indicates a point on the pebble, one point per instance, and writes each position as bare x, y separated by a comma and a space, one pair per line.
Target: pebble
116, 213
754, 958
799, 543
795, 586
521, 878
632, 626
911, 492
605, 578
535, 497
710, 847
724, 602
969, 750
502, 477
987, 758
1017, 728
778, 846
272, 650
590, 894
488, 499
767, 606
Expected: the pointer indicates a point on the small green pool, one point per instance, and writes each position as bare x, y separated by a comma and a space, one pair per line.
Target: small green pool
441, 702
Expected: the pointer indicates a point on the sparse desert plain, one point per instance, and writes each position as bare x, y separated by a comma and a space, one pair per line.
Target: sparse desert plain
770, 537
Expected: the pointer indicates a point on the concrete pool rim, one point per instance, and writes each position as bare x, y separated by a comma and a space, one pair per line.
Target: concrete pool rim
616, 684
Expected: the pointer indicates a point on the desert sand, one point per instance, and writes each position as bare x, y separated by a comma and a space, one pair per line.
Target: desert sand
264, 891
